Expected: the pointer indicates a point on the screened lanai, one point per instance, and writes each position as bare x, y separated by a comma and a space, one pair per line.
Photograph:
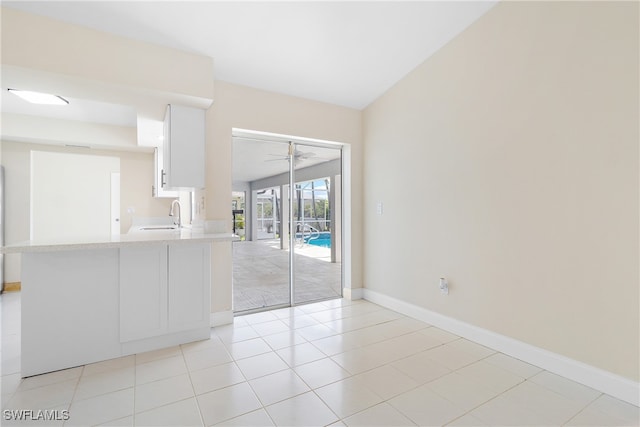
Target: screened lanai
270, 260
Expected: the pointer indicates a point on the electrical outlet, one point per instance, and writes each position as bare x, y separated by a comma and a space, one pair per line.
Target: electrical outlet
444, 286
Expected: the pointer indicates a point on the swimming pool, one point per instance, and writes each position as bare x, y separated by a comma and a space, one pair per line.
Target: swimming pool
324, 240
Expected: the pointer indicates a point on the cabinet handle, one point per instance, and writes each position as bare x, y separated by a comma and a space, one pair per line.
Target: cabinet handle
162, 182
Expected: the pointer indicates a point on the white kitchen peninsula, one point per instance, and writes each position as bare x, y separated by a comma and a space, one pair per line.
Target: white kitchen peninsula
91, 300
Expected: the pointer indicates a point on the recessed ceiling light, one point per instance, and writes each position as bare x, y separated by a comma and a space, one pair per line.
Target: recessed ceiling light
39, 97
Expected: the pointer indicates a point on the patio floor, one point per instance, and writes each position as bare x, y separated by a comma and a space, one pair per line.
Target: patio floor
261, 274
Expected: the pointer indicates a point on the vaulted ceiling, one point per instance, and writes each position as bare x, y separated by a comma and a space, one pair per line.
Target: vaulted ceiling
341, 52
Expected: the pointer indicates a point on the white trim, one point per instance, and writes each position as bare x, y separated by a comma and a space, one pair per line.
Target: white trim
346, 219
281, 137
599, 379
220, 318
352, 294
164, 341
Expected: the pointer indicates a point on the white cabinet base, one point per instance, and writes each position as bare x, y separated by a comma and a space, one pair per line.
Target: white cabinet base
189, 301
71, 305
143, 292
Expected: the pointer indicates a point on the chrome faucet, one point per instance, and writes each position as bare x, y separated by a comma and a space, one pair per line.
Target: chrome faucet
171, 212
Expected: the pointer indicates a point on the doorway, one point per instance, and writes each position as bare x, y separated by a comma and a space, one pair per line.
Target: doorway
290, 192
74, 195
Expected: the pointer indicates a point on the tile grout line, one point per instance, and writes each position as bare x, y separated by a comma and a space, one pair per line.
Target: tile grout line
485, 402
135, 385
195, 396
233, 360
583, 409
352, 375
75, 390
328, 407
481, 404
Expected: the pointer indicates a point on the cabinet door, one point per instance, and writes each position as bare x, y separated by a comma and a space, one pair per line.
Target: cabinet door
184, 147
143, 292
189, 286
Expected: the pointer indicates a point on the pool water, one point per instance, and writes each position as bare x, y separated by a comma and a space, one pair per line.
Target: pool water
323, 241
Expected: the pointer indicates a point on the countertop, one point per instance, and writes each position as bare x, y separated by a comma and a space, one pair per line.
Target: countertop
117, 241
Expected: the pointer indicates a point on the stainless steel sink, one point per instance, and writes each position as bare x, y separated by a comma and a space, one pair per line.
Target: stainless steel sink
153, 225
159, 228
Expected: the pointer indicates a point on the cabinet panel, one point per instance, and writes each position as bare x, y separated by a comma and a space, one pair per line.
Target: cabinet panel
143, 292
189, 286
184, 148
69, 309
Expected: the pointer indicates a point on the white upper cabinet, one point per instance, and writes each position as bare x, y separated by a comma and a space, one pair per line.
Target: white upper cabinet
183, 148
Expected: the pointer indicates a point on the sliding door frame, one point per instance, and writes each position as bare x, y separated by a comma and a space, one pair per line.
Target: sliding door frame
345, 204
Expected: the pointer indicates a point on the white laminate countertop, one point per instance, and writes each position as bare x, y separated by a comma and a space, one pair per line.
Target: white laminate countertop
118, 241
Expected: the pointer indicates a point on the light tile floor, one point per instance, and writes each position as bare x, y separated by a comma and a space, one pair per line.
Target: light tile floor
335, 363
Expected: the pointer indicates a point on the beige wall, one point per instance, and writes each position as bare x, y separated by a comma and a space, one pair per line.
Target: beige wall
136, 179
246, 108
508, 163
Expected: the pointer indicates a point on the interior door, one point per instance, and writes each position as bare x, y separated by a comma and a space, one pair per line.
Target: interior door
71, 195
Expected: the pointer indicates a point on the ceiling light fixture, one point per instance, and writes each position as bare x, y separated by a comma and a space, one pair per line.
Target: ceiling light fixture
39, 97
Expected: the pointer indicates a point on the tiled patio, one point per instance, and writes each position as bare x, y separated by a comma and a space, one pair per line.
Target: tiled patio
261, 274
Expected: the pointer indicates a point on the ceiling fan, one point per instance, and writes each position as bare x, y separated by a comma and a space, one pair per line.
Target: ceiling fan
297, 156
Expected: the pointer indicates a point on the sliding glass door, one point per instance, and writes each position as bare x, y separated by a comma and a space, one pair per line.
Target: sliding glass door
317, 263
260, 259
290, 253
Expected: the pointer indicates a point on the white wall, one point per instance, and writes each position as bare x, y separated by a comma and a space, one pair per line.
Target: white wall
508, 163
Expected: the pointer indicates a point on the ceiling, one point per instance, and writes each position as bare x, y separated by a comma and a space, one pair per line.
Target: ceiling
341, 52
259, 158
84, 110
345, 53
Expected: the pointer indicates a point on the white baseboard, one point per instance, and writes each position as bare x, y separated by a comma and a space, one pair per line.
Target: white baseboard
352, 293
221, 318
599, 379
